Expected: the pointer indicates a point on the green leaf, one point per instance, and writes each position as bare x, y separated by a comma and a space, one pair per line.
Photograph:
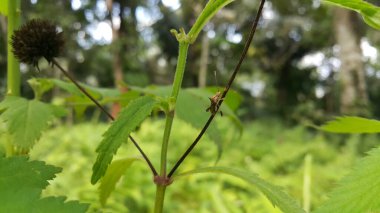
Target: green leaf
231, 102
191, 107
128, 119
369, 12
274, 193
211, 8
21, 184
99, 93
103, 95
352, 124
4, 8
112, 176
58, 205
358, 191
72, 89
26, 119
40, 86
233, 98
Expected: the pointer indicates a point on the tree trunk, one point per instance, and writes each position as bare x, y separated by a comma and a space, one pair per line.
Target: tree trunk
354, 99
117, 68
202, 76
116, 63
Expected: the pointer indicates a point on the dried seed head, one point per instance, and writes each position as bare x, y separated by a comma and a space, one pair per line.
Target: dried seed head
36, 39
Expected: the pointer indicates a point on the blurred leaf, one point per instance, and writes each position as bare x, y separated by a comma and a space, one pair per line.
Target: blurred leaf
79, 104
232, 99
359, 190
26, 119
369, 12
72, 89
163, 91
352, 125
104, 95
4, 8
40, 86
129, 118
191, 107
185, 110
274, 193
78, 100
112, 176
123, 98
58, 205
21, 184
211, 8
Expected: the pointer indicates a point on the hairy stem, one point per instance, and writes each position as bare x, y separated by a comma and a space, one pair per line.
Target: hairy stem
232, 78
181, 63
180, 70
160, 197
13, 79
13, 66
9, 148
83, 90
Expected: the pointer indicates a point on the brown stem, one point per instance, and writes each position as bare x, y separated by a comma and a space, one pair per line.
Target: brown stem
226, 89
83, 90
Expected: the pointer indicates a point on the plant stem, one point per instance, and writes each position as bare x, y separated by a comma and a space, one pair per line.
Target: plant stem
13, 66
9, 148
13, 79
181, 64
83, 90
307, 182
180, 70
226, 89
160, 197
165, 142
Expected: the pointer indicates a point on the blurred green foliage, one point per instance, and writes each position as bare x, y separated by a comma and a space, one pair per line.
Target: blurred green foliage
290, 30
21, 184
267, 147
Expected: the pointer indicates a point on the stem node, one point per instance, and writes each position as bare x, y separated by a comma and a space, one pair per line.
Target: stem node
162, 180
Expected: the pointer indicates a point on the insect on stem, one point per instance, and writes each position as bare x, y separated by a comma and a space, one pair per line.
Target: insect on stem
215, 103
215, 100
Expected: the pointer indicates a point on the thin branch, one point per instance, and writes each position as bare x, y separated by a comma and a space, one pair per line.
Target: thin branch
83, 90
226, 89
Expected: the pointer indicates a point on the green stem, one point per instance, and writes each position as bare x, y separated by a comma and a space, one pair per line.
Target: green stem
9, 148
160, 197
13, 79
307, 182
165, 142
180, 70
181, 64
13, 66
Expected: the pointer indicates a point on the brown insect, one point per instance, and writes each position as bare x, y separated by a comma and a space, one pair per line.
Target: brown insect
215, 103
